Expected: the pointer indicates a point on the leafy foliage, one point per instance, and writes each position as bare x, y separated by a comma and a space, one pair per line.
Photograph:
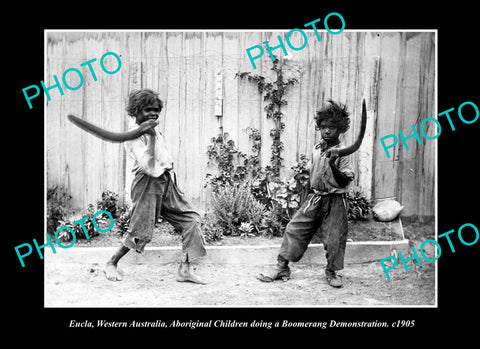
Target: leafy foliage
258, 197
231, 163
284, 196
235, 211
273, 200
246, 229
58, 206
211, 228
359, 209
274, 92
123, 221
60, 214
108, 202
231, 206
65, 235
274, 224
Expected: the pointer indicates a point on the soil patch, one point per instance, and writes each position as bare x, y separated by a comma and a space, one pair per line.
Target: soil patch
146, 286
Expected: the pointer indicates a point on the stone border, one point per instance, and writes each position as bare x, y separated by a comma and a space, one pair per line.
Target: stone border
356, 252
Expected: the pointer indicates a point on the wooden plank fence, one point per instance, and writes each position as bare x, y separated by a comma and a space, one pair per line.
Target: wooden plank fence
194, 71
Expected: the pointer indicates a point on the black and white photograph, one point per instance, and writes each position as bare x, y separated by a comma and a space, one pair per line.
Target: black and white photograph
249, 187
224, 174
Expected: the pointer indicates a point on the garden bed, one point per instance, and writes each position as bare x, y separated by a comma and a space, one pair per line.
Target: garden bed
164, 235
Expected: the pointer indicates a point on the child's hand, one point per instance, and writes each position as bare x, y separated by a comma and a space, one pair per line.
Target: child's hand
333, 158
148, 127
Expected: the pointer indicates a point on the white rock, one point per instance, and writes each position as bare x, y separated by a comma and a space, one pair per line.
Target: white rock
387, 210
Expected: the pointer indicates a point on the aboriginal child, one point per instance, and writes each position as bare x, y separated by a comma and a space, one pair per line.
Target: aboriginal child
154, 191
325, 206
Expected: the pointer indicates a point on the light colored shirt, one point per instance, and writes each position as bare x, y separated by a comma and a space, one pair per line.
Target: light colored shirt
321, 175
139, 150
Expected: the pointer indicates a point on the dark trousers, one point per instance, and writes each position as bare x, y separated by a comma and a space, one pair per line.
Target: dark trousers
154, 196
327, 212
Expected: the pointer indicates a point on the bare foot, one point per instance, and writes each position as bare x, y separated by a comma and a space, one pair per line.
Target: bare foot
112, 273
185, 275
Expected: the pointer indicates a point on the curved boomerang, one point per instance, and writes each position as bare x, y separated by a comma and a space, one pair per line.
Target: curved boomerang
116, 137
354, 147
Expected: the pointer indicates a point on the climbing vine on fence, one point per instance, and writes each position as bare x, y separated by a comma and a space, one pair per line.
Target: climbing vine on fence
271, 201
234, 166
274, 93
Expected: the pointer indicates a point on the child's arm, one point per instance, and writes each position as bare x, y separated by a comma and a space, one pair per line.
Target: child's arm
147, 161
339, 176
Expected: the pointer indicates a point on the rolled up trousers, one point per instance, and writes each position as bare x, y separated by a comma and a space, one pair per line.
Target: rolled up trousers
327, 213
155, 196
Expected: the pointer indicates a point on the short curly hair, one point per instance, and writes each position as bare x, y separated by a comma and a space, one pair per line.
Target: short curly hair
337, 113
139, 99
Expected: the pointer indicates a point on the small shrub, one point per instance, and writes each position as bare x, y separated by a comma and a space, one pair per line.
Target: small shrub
256, 216
274, 223
246, 229
359, 208
65, 235
283, 196
230, 161
123, 221
302, 177
244, 192
230, 205
108, 202
58, 207
212, 230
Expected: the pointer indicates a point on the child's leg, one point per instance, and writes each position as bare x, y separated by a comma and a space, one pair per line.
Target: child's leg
141, 225
144, 194
178, 212
297, 236
301, 229
335, 230
111, 270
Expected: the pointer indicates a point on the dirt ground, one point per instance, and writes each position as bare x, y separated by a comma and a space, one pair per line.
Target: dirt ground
84, 285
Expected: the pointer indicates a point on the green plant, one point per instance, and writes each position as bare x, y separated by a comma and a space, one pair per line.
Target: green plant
108, 202
232, 205
272, 201
246, 229
256, 215
231, 162
102, 220
359, 208
302, 176
123, 221
233, 165
253, 160
212, 230
274, 93
65, 235
58, 206
274, 223
285, 195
